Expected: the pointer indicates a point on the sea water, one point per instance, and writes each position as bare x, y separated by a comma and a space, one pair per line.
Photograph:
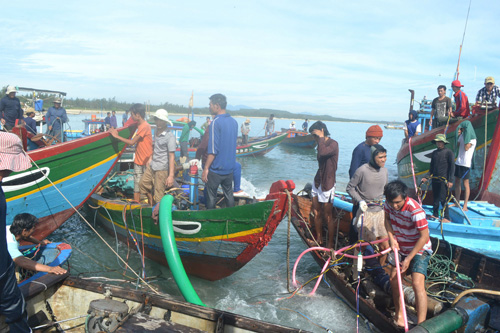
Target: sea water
258, 290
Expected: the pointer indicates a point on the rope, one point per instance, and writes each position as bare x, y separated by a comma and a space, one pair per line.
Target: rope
484, 291
289, 213
93, 229
413, 172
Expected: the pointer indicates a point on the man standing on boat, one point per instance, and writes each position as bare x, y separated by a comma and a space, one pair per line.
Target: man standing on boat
159, 172
144, 141
245, 130
323, 189
124, 118
12, 306
218, 169
487, 95
10, 109
467, 142
462, 109
184, 139
269, 125
412, 126
361, 155
305, 124
408, 233
441, 170
55, 117
441, 108
112, 120
107, 121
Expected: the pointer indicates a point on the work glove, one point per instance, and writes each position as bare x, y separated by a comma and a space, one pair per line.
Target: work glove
363, 206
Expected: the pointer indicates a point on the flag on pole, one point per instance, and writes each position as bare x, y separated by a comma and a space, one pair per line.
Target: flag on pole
191, 100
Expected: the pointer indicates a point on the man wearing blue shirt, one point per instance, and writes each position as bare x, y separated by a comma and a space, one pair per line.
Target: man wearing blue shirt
55, 117
10, 109
218, 169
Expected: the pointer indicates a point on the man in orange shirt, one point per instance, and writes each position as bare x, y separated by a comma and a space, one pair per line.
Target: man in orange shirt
144, 141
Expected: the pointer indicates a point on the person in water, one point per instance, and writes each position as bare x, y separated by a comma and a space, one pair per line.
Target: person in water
323, 189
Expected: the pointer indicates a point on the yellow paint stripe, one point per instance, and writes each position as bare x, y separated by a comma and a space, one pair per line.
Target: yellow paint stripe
203, 239
64, 179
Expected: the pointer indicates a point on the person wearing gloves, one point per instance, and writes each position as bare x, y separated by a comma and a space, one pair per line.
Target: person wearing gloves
366, 187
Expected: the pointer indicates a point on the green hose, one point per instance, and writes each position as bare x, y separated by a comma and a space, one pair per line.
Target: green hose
171, 253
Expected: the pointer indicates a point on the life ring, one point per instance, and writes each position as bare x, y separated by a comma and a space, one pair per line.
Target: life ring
184, 119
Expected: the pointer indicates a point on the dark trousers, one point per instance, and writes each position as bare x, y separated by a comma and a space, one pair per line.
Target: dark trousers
184, 149
12, 302
226, 182
353, 232
244, 139
440, 193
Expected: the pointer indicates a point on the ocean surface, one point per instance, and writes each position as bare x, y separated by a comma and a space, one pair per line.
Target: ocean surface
258, 290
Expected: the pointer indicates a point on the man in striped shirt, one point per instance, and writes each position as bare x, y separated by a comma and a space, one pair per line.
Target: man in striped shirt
408, 232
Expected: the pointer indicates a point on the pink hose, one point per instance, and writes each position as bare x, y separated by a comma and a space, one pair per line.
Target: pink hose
319, 248
400, 285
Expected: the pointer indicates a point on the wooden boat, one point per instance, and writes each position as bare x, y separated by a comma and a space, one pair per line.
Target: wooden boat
213, 243
395, 127
299, 139
257, 146
66, 303
478, 229
473, 313
68, 171
484, 177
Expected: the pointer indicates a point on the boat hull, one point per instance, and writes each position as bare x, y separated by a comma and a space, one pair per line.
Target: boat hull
299, 139
212, 244
64, 172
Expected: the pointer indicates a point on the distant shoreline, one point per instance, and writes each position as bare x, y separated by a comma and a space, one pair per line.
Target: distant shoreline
98, 112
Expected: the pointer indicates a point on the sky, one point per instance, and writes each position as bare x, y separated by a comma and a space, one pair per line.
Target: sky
352, 59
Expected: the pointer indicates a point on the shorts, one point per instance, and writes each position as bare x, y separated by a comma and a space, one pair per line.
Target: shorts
373, 225
138, 172
462, 172
323, 196
418, 264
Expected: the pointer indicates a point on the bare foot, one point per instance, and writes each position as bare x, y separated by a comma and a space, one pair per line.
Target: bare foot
446, 221
464, 208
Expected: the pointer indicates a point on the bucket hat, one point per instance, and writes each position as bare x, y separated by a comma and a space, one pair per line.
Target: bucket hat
440, 137
11, 89
162, 114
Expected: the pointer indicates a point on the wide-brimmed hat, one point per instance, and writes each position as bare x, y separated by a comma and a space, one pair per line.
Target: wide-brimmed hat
247, 121
457, 83
11, 89
57, 100
162, 114
440, 137
489, 79
12, 155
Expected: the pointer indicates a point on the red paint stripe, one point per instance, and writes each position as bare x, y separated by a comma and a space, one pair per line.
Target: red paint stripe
491, 158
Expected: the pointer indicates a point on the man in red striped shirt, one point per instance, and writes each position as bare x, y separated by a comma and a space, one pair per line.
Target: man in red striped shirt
408, 232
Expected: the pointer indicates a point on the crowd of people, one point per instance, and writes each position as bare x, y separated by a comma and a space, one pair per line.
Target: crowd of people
381, 209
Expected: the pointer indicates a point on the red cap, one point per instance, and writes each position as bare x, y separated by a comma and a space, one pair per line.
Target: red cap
375, 131
456, 83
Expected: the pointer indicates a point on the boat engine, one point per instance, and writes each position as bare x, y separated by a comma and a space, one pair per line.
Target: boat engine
105, 315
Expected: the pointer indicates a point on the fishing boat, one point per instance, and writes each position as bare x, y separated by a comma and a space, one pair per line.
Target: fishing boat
61, 179
66, 303
477, 229
298, 139
464, 295
395, 127
213, 244
414, 157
